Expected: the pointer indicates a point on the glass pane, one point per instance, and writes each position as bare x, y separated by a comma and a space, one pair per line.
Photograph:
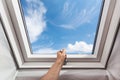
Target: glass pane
56, 24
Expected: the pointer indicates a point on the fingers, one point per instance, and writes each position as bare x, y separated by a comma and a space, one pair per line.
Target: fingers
63, 51
65, 56
61, 56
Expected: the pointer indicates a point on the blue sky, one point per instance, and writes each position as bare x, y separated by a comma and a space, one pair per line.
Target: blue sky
56, 24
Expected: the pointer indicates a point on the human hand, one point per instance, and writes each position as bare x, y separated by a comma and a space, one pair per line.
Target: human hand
61, 56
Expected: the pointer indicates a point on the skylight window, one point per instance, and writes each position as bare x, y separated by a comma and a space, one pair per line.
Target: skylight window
43, 27
56, 24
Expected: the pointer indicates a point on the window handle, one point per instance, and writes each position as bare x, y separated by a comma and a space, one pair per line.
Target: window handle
65, 61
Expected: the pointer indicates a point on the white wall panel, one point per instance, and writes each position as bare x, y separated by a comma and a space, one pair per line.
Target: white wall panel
7, 66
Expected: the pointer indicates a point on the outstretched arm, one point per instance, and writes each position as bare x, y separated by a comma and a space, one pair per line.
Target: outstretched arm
54, 71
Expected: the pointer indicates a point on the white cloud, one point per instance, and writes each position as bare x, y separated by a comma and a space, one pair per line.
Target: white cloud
35, 18
79, 47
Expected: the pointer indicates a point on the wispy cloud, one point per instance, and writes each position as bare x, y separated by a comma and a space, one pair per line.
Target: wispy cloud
42, 45
45, 51
78, 17
91, 35
67, 26
66, 8
35, 18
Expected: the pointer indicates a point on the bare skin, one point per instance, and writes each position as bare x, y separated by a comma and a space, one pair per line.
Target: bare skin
54, 71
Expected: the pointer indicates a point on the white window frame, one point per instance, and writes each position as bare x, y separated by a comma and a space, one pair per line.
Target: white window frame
15, 30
